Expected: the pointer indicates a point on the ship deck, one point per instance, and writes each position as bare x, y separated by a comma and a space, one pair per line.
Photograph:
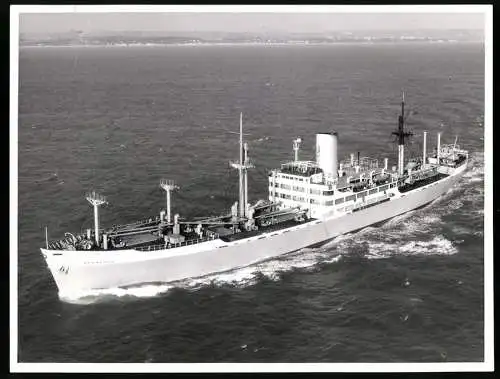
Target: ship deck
150, 234
261, 230
422, 182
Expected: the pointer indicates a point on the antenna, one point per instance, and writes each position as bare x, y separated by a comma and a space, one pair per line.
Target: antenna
96, 200
296, 147
168, 186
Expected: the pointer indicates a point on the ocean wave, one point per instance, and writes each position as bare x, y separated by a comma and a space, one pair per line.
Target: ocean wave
397, 219
92, 296
335, 259
338, 240
304, 260
439, 245
476, 170
455, 204
271, 269
475, 179
421, 223
462, 229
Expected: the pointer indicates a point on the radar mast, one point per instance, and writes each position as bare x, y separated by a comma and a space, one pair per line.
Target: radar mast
401, 134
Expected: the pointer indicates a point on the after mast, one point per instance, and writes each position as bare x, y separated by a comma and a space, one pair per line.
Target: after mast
401, 134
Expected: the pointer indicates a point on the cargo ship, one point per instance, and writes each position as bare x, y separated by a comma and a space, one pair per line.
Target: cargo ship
309, 204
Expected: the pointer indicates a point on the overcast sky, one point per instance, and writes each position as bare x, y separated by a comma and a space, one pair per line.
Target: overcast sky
247, 22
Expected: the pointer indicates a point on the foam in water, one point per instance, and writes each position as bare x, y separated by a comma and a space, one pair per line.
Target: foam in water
419, 223
337, 240
87, 297
241, 277
398, 219
479, 233
475, 179
439, 245
304, 259
455, 204
333, 260
476, 172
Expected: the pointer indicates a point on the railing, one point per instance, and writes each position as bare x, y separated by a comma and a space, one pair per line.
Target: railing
140, 222
164, 246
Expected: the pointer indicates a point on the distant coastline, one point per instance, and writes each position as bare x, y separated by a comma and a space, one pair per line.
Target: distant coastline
133, 38
190, 44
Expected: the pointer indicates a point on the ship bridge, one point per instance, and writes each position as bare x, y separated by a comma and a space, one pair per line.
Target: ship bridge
301, 183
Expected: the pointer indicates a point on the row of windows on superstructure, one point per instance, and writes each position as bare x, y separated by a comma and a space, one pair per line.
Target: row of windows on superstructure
302, 199
300, 179
302, 189
359, 195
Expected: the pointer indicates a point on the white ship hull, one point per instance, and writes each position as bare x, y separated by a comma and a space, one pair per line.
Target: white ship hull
76, 271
